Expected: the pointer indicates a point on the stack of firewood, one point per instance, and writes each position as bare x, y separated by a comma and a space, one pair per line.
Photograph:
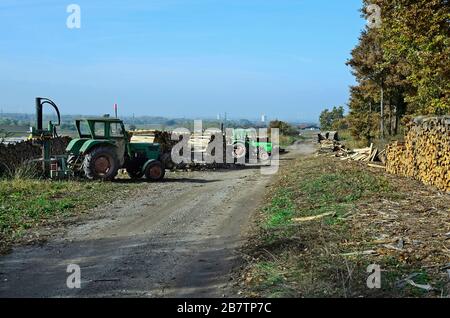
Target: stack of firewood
425, 153
370, 154
198, 143
12, 156
154, 136
329, 142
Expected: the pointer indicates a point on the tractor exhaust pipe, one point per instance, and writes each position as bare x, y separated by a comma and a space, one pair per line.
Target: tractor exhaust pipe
39, 113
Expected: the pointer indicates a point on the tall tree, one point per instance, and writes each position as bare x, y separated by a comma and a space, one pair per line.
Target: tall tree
405, 59
417, 33
330, 119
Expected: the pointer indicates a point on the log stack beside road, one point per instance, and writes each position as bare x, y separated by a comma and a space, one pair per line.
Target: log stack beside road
12, 156
425, 152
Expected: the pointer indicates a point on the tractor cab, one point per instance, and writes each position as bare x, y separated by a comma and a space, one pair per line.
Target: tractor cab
100, 128
99, 131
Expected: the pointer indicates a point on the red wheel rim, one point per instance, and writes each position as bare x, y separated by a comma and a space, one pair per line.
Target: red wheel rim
155, 172
102, 165
264, 156
239, 151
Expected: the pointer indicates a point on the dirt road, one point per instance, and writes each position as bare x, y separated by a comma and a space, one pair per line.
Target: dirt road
179, 238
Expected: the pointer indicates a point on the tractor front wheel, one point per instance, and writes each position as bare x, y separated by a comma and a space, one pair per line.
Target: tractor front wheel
155, 171
101, 164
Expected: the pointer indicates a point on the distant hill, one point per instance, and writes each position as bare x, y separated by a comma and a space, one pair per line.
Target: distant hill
308, 126
19, 124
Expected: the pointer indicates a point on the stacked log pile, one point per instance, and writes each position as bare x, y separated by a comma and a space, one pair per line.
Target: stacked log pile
164, 139
425, 153
369, 154
154, 136
14, 155
143, 135
329, 143
329, 146
197, 142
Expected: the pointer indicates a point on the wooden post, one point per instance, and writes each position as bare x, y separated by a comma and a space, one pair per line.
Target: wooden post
382, 113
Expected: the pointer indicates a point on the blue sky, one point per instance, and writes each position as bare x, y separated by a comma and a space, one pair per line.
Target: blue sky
175, 58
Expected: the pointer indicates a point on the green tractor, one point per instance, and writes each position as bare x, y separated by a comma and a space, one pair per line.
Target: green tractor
246, 141
104, 147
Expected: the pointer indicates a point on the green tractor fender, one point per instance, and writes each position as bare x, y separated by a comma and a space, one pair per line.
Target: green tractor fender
267, 146
75, 145
92, 143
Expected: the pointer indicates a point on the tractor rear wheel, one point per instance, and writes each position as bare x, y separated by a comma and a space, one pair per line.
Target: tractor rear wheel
239, 150
263, 154
101, 164
155, 171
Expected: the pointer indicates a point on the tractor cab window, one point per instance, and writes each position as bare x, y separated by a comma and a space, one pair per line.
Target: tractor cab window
84, 129
99, 129
116, 130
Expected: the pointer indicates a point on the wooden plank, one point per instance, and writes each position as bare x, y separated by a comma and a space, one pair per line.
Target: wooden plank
376, 166
312, 218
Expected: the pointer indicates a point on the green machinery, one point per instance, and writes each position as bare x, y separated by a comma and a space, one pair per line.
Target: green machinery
246, 141
102, 148
43, 136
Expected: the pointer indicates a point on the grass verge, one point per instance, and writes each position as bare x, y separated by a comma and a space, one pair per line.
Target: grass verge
363, 217
29, 203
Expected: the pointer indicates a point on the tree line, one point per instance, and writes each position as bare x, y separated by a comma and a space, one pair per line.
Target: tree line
401, 66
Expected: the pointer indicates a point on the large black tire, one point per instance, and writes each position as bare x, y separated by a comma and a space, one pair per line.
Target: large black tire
239, 150
101, 163
74, 165
155, 171
71, 159
166, 160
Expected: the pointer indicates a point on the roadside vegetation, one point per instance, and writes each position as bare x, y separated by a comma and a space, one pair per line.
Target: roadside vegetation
325, 221
27, 204
288, 133
4, 134
286, 141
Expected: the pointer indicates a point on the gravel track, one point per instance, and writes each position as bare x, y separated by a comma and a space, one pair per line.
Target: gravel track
178, 238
